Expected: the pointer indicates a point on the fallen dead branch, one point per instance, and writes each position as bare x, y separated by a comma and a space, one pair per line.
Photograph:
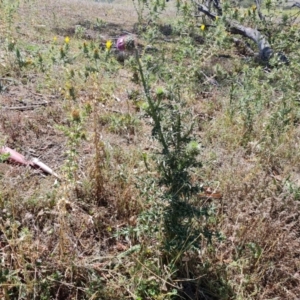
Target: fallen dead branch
32, 106
264, 47
10, 79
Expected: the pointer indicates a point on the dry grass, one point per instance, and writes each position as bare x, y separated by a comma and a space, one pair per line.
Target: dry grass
61, 240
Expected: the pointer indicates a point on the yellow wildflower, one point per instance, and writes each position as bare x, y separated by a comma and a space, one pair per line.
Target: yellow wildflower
217, 18
108, 44
202, 27
254, 7
54, 39
67, 40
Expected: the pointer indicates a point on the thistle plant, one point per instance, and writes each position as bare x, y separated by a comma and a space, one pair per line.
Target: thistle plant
173, 129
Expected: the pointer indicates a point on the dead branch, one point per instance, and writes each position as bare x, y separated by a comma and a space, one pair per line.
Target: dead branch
258, 5
217, 6
265, 50
26, 107
296, 4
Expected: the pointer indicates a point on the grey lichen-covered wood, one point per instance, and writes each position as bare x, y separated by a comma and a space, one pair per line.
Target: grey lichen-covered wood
265, 51
264, 48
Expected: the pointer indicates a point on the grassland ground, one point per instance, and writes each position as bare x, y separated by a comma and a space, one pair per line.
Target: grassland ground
68, 100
